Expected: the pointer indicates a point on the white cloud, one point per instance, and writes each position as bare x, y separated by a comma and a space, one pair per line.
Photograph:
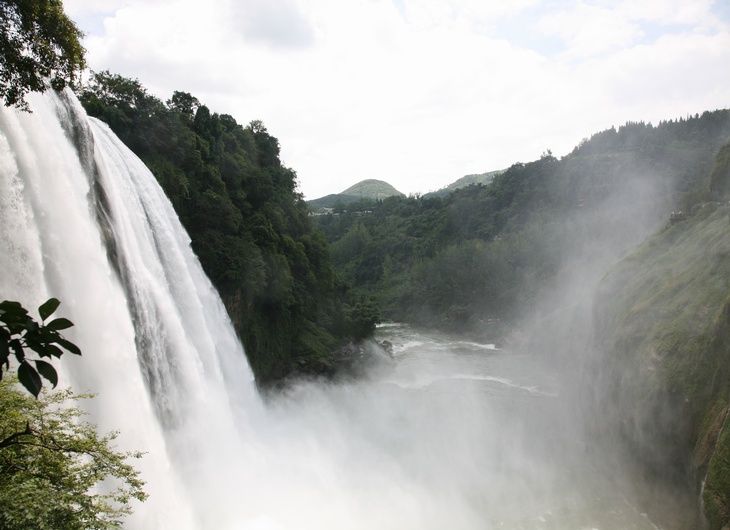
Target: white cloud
591, 29
279, 25
419, 92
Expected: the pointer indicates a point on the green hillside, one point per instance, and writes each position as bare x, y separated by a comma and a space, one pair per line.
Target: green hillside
366, 189
466, 180
333, 200
372, 189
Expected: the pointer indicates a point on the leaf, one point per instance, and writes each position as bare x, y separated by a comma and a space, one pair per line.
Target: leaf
11, 307
31, 325
17, 347
14, 316
47, 371
37, 346
68, 345
48, 308
29, 378
4, 348
54, 350
59, 324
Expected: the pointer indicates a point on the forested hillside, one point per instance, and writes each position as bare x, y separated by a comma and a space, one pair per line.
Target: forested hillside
247, 221
463, 182
486, 256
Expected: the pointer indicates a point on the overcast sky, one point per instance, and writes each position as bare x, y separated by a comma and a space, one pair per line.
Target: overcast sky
419, 92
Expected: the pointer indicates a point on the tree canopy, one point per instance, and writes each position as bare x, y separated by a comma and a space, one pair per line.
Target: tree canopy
38, 44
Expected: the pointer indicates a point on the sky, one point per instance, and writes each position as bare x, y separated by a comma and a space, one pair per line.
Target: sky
419, 93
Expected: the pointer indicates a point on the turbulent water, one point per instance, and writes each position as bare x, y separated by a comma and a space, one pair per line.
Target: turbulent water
446, 434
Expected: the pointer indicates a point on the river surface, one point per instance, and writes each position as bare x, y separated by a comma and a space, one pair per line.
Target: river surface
486, 436
446, 434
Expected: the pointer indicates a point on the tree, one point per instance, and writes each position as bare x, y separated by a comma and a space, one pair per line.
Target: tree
52, 464
20, 332
361, 316
183, 102
37, 42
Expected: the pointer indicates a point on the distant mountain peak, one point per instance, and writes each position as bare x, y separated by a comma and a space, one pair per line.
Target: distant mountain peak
365, 189
372, 189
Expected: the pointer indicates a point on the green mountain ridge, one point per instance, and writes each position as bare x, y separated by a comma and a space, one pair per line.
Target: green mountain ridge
466, 180
378, 190
372, 189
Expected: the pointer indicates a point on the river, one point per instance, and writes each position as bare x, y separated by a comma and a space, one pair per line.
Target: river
449, 434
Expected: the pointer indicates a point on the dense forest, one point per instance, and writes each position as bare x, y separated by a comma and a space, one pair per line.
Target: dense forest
247, 222
484, 257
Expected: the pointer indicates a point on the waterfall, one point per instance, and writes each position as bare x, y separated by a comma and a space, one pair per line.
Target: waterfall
82, 219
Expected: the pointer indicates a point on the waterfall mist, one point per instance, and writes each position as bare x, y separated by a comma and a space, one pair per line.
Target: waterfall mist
457, 435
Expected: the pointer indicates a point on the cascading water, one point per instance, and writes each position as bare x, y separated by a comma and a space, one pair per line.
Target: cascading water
158, 348
457, 435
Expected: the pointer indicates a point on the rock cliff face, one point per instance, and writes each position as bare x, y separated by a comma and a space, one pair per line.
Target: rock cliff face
659, 370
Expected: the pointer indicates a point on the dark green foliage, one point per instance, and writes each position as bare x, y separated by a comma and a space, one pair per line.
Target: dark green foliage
37, 42
361, 316
19, 333
453, 261
248, 224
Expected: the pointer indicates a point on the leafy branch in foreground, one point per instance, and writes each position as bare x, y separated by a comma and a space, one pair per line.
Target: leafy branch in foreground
20, 332
37, 42
52, 462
